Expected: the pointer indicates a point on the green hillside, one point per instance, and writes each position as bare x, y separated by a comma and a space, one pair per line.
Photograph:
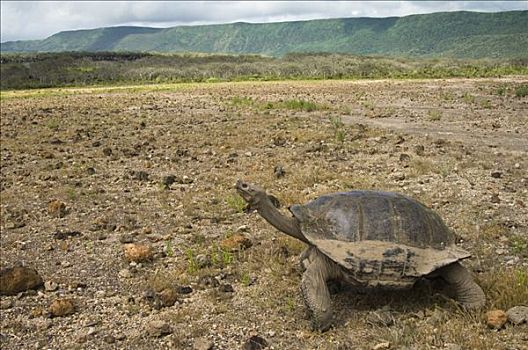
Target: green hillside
452, 34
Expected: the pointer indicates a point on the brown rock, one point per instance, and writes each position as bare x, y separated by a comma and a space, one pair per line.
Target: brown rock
62, 307
137, 252
168, 296
203, 344
255, 343
57, 209
236, 242
496, 319
158, 328
19, 279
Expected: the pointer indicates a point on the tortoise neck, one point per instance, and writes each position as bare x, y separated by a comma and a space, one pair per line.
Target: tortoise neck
288, 225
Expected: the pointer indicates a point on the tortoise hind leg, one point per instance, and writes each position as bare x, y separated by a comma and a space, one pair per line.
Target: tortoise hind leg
319, 269
468, 293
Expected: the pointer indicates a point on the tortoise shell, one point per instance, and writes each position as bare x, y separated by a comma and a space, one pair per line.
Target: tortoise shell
379, 237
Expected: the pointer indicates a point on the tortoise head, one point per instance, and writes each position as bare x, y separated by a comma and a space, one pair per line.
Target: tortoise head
252, 194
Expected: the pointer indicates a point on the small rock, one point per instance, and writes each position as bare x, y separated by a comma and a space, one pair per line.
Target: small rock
19, 279
236, 242
380, 318
61, 235
255, 343
158, 328
81, 339
139, 175
109, 339
184, 289
208, 281
6, 304
125, 273
126, 238
404, 157
384, 345
50, 286
279, 171
243, 228
137, 252
495, 198
168, 297
419, 150
518, 314
169, 180
399, 140
107, 151
202, 260
496, 319
496, 174
57, 209
62, 307
226, 288
452, 346
203, 344
90, 171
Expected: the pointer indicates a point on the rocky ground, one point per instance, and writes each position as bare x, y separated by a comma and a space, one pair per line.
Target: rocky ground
123, 202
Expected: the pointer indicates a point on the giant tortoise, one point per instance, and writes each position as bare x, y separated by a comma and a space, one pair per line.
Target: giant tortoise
367, 238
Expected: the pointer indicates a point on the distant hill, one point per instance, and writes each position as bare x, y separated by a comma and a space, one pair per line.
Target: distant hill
446, 34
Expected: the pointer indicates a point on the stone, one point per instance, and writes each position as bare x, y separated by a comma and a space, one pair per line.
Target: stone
255, 343
184, 289
236, 242
50, 286
517, 314
168, 180
62, 307
379, 346
496, 319
380, 318
109, 339
125, 273
19, 279
137, 252
158, 328
226, 288
495, 198
279, 171
168, 297
452, 346
203, 344
57, 209
496, 174
6, 304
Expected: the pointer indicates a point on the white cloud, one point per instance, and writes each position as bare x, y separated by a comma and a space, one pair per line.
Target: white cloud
22, 20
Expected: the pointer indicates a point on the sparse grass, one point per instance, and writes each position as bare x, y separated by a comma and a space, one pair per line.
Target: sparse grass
72, 194
53, 124
505, 287
338, 126
242, 101
435, 115
192, 264
468, 98
485, 104
236, 203
521, 91
519, 245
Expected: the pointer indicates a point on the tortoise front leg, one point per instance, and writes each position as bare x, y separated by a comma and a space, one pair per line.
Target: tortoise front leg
319, 269
468, 293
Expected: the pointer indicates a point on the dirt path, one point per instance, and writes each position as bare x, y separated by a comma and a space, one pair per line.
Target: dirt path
510, 141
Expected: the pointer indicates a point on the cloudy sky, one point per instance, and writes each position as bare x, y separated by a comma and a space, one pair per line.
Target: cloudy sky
22, 20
